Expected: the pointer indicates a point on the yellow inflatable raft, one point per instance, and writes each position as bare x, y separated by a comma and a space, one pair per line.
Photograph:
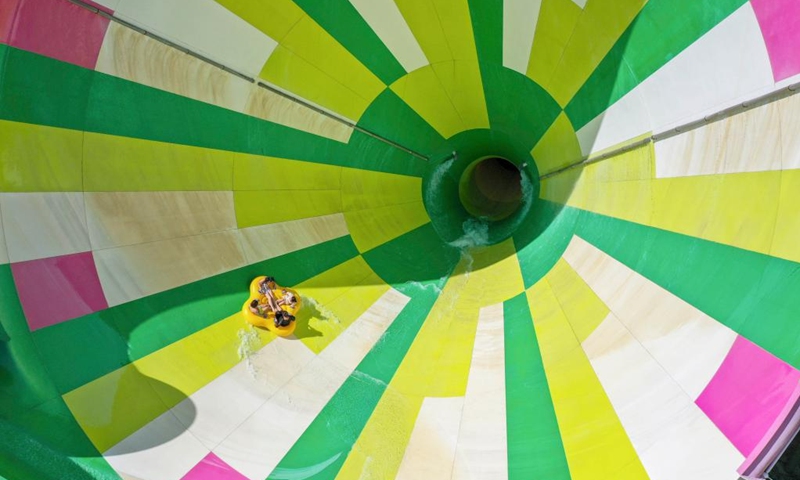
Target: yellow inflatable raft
268, 320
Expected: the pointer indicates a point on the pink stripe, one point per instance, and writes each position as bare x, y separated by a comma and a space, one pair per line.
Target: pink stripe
213, 468
748, 393
59, 29
780, 25
53, 290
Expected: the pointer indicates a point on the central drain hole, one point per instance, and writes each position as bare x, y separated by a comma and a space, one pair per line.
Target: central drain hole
491, 188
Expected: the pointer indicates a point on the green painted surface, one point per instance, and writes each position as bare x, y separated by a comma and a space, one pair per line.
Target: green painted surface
535, 449
655, 37
541, 241
346, 25
38, 436
81, 350
753, 294
487, 25
337, 427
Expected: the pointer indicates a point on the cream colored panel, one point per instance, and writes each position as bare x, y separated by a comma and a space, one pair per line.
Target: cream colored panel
276, 239
276, 108
482, 450
388, 23
687, 343
41, 225
136, 271
204, 27
3, 250
789, 109
130, 55
520, 18
661, 420
124, 218
748, 142
432, 446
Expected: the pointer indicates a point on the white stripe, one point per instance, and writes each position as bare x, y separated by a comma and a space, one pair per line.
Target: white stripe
671, 435
263, 242
482, 450
432, 446
205, 27
259, 444
520, 18
687, 343
3, 250
728, 65
388, 23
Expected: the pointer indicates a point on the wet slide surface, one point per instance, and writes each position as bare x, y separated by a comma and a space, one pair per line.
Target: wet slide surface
635, 318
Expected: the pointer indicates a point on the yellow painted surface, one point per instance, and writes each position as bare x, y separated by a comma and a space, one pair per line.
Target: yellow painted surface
276, 18
462, 82
372, 227
254, 172
425, 94
35, 158
603, 451
119, 403
114, 163
365, 189
557, 20
596, 30
335, 299
582, 307
443, 28
274, 206
558, 147
785, 243
438, 362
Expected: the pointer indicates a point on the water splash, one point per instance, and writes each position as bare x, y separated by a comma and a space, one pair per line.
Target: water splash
437, 177
436, 287
249, 343
318, 310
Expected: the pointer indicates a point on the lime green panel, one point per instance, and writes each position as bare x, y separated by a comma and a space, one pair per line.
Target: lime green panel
462, 82
254, 172
455, 22
376, 226
275, 17
583, 308
557, 19
423, 20
558, 148
424, 93
265, 207
362, 189
36, 158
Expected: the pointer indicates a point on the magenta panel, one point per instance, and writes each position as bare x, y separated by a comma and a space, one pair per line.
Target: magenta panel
780, 25
213, 468
747, 393
7, 11
59, 29
56, 289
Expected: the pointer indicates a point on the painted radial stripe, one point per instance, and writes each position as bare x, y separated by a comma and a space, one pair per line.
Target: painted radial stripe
605, 451
363, 189
205, 27
534, 441
520, 18
342, 20
92, 101
341, 421
211, 467
437, 364
41, 225
424, 93
482, 449
748, 393
582, 307
442, 28
558, 147
374, 227
385, 19
664, 324
58, 29
779, 24
269, 241
3, 250
135, 271
554, 27
746, 291
431, 450
125, 218
257, 447
7, 12
55, 289
695, 83
294, 205
672, 435
86, 348
644, 49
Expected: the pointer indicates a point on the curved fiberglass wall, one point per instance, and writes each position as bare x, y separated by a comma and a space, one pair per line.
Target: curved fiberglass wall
630, 318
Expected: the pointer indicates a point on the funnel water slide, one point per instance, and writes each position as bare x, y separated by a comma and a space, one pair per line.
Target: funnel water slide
527, 242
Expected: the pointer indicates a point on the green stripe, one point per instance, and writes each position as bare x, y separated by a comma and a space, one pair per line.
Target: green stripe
535, 449
44, 91
38, 436
346, 25
336, 429
754, 294
517, 105
86, 348
662, 30
543, 238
